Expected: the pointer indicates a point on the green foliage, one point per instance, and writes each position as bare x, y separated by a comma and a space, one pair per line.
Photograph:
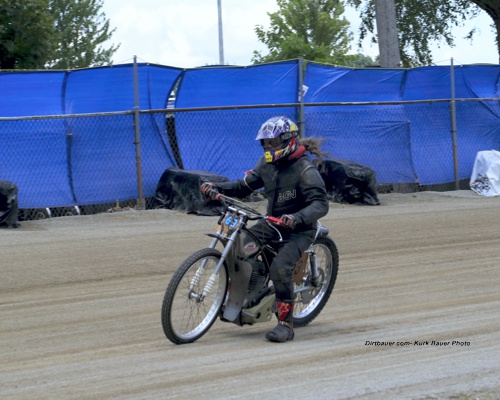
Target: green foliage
61, 34
81, 31
420, 23
361, 60
311, 29
26, 33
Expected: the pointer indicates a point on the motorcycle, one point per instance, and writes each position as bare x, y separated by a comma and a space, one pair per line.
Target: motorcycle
233, 283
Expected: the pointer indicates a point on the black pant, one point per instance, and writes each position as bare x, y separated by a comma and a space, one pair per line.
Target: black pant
290, 249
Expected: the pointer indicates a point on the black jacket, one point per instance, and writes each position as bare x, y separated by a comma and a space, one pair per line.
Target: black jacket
292, 186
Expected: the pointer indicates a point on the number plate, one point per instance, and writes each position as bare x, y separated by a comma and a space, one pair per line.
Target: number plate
230, 223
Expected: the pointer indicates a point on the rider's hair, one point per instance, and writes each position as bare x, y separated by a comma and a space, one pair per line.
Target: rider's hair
313, 146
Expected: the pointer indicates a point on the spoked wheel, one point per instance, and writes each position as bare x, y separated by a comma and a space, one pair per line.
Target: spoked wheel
309, 303
194, 297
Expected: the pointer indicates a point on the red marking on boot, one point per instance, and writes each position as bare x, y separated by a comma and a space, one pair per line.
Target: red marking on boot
283, 310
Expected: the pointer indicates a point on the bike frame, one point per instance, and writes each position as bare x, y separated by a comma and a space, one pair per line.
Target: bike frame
240, 272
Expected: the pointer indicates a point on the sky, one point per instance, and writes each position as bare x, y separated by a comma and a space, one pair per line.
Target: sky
185, 33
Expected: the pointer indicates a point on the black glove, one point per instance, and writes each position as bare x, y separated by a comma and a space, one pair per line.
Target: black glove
207, 187
289, 221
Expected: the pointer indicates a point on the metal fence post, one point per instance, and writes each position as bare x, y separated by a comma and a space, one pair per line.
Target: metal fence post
454, 126
302, 128
137, 139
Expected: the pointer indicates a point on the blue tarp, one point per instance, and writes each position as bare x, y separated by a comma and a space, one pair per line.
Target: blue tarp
229, 146
369, 135
406, 142
102, 142
478, 123
31, 93
91, 160
84, 160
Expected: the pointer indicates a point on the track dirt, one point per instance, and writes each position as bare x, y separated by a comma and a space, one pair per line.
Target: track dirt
415, 313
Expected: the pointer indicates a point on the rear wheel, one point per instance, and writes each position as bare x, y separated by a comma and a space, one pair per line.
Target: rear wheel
194, 297
310, 302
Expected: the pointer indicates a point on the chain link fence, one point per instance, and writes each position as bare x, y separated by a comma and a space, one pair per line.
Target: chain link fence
94, 163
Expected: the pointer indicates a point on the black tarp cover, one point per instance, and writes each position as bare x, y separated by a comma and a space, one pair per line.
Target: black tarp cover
345, 181
9, 210
180, 190
349, 182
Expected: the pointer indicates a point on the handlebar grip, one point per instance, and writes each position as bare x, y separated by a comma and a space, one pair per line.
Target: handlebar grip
275, 220
214, 194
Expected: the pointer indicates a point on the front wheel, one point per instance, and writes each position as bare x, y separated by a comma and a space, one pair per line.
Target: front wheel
194, 297
311, 300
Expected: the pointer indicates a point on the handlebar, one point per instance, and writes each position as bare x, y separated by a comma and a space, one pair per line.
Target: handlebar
225, 200
274, 220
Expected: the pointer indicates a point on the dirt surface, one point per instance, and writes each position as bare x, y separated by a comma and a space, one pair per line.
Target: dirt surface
415, 313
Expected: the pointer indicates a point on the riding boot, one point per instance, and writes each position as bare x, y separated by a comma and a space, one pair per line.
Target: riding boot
284, 330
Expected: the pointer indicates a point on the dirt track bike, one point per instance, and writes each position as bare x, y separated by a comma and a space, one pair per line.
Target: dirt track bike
234, 285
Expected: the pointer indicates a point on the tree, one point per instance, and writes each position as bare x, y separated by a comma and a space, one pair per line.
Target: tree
422, 22
26, 33
311, 29
81, 30
360, 60
62, 34
387, 33
492, 8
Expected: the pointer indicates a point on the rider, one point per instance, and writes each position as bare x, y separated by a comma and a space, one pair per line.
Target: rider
296, 193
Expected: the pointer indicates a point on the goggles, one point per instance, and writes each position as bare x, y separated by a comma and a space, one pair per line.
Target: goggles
270, 143
275, 142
